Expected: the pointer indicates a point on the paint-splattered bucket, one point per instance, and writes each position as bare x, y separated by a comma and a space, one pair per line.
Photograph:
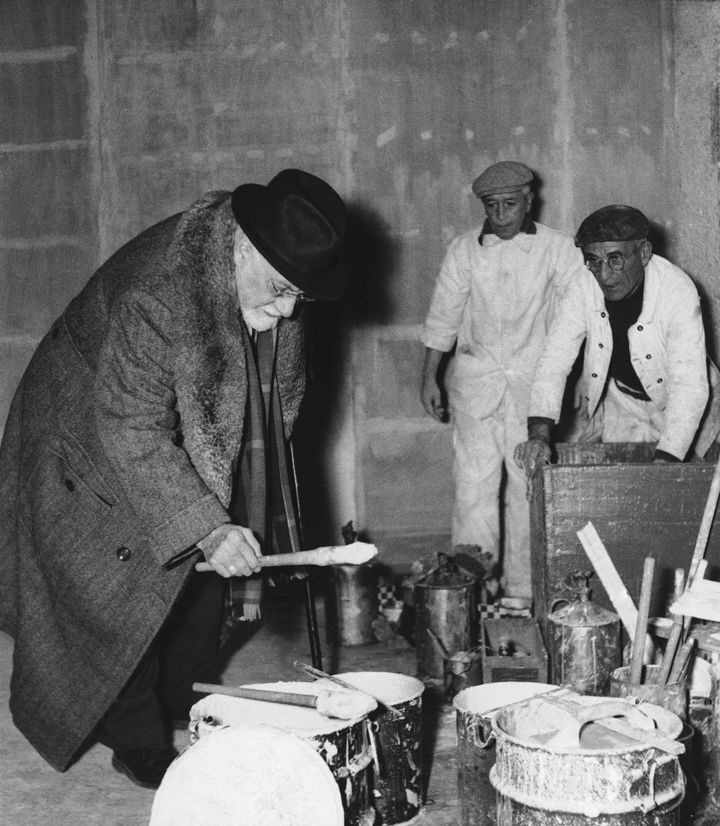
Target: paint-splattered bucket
397, 782
344, 745
560, 768
672, 696
475, 708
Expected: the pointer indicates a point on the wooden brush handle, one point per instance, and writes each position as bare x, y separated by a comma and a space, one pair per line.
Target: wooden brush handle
638, 649
264, 694
272, 561
354, 554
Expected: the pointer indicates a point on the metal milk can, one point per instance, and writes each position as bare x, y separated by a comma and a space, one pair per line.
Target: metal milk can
584, 640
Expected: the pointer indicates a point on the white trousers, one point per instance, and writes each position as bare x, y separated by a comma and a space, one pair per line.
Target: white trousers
621, 418
482, 446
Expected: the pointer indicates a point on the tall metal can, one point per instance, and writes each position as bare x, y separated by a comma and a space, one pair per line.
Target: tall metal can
445, 617
584, 640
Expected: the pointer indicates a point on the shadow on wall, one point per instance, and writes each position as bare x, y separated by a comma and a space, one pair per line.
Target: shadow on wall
372, 262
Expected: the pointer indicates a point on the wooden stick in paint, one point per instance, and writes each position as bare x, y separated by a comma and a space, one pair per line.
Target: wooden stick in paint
611, 582
681, 661
670, 648
676, 632
705, 524
638, 649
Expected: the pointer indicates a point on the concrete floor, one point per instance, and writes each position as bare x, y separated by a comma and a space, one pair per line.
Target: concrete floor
91, 792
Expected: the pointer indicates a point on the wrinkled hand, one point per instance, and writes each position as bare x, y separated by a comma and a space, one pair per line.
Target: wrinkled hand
531, 455
232, 551
431, 397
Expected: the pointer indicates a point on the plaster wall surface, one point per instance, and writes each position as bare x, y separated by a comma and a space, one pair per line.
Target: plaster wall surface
120, 113
693, 189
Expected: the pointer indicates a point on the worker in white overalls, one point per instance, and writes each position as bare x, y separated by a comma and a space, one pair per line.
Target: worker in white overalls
493, 300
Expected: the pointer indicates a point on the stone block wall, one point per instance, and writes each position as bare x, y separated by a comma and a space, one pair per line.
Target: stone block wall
117, 113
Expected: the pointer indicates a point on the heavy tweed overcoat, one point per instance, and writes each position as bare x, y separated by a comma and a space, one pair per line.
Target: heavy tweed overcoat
118, 452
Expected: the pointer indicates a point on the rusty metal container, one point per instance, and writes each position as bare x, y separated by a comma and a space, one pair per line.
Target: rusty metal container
584, 640
594, 776
445, 617
672, 696
356, 603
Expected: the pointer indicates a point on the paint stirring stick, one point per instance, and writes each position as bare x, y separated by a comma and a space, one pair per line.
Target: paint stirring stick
638, 650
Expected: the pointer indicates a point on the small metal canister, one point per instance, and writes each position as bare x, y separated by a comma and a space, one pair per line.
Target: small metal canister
584, 640
462, 670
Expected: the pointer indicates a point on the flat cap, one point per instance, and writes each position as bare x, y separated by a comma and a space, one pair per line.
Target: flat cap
503, 176
613, 223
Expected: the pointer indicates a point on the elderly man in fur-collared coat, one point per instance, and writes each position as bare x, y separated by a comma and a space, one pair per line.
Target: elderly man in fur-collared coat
130, 440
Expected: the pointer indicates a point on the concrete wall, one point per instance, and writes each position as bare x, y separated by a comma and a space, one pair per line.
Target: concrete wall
122, 112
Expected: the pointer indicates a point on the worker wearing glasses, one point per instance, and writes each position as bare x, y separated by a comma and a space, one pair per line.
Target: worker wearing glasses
646, 377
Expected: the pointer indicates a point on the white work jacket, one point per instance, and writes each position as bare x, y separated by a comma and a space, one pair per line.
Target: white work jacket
495, 300
667, 351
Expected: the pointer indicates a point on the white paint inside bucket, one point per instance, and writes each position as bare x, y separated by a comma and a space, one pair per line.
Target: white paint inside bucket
492, 697
388, 687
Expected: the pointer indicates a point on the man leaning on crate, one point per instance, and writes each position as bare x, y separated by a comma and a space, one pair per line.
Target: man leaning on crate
646, 376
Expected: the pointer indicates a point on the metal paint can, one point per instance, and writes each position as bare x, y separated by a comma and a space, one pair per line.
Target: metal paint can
475, 709
462, 670
445, 620
672, 696
356, 603
397, 781
602, 779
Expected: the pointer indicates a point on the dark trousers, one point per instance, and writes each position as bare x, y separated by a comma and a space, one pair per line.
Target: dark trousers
160, 690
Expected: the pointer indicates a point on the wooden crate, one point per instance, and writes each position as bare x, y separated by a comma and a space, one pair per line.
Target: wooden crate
526, 658
637, 510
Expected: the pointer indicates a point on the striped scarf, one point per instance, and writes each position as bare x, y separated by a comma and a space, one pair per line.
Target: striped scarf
263, 497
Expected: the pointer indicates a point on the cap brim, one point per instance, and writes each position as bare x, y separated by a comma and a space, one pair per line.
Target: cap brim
250, 204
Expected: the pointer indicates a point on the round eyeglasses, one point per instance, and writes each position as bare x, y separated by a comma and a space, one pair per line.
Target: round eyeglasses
288, 292
615, 260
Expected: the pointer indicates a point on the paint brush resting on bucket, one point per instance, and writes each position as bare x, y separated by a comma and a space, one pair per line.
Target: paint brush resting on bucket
355, 554
343, 705
322, 675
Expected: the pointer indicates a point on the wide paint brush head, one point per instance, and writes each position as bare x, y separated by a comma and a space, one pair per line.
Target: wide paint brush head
355, 554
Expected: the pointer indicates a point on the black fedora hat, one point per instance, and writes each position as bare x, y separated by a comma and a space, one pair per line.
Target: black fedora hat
297, 222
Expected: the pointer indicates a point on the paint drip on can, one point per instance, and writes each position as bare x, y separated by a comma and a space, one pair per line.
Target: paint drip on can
584, 640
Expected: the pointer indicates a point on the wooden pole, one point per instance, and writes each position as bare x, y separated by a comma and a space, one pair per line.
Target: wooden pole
676, 632
638, 648
705, 524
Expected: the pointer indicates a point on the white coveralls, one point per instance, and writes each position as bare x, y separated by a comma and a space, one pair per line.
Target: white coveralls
495, 300
667, 351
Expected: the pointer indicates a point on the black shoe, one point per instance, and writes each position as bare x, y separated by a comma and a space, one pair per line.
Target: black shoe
145, 766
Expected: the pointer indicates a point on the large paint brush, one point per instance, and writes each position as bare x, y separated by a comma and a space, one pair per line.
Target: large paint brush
355, 554
343, 705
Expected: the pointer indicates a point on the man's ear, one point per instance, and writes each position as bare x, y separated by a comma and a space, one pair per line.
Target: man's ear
646, 251
528, 201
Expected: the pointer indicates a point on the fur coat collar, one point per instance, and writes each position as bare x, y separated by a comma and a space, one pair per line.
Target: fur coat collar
210, 369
